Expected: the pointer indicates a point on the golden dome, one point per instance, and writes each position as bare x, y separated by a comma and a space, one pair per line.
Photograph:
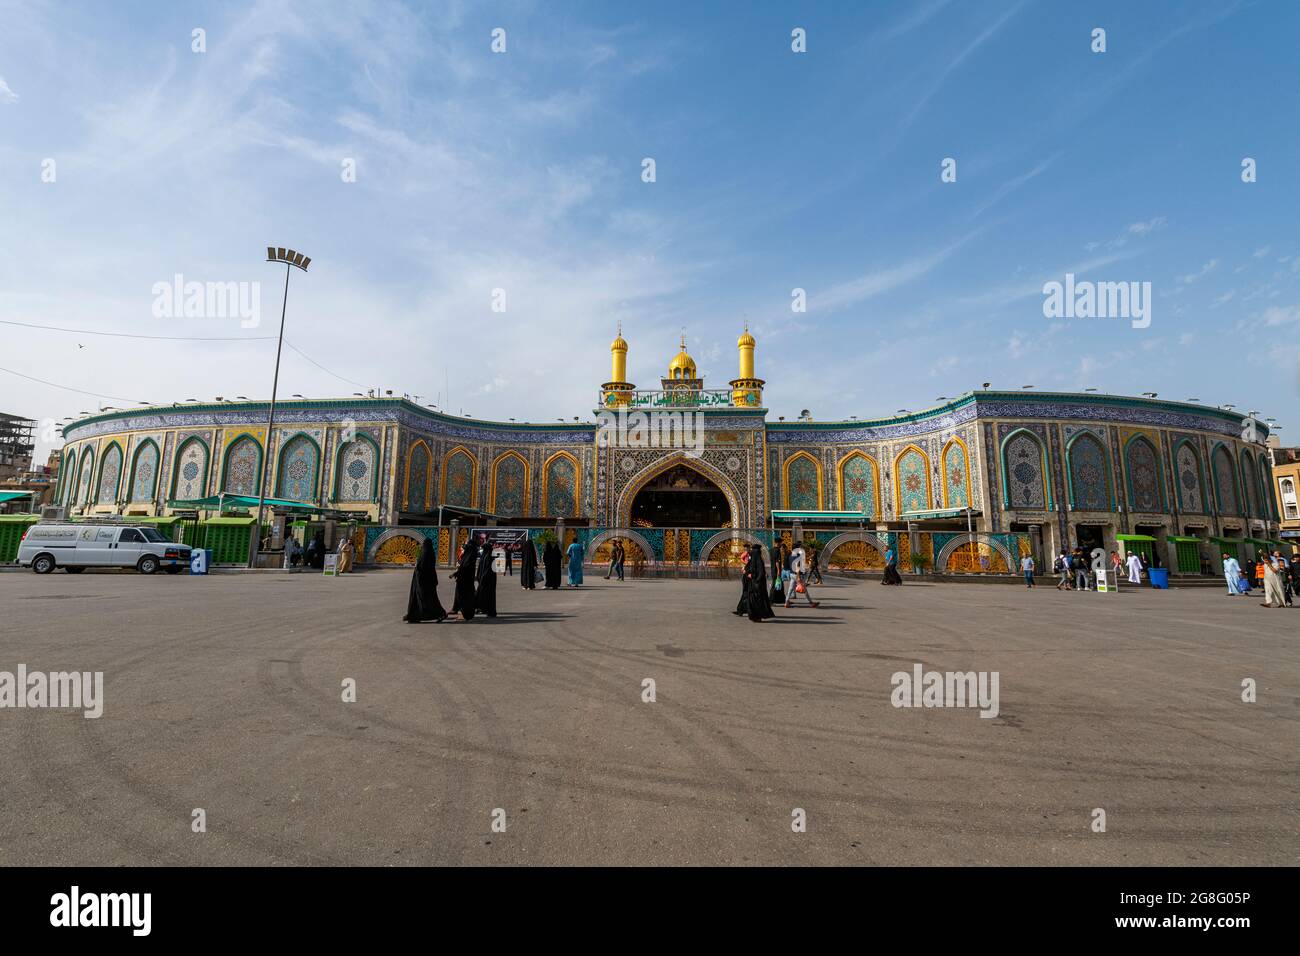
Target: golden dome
618, 345
746, 340
682, 365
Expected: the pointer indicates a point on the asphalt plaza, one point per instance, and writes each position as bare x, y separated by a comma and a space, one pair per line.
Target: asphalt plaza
224, 693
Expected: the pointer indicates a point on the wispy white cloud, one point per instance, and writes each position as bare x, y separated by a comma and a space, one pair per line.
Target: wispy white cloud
6, 94
1201, 273
884, 280
953, 64
1007, 188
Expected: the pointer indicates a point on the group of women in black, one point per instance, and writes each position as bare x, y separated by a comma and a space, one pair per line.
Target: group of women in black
476, 585
476, 582
550, 562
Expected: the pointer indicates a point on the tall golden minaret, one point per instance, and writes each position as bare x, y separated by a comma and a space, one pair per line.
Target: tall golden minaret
746, 390
617, 391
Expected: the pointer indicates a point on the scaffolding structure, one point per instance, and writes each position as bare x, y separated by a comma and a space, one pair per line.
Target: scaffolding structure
16, 445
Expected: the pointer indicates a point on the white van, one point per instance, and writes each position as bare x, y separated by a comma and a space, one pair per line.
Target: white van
75, 547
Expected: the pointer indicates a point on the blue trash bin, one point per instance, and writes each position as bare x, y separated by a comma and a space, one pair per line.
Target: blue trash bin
1159, 577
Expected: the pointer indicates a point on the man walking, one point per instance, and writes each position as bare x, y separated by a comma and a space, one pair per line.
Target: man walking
1062, 567
1232, 574
1080, 562
799, 573
1027, 566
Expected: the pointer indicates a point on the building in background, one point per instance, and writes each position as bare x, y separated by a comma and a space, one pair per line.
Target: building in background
972, 484
1285, 464
16, 445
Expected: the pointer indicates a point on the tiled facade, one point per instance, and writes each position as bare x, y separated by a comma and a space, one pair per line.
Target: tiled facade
1063, 467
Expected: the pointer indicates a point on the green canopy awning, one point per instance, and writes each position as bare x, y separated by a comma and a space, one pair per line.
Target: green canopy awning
827, 516
1232, 541
1134, 537
929, 515
13, 495
213, 502
1257, 541
1184, 539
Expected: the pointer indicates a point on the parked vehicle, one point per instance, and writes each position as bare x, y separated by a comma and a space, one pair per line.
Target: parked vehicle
75, 547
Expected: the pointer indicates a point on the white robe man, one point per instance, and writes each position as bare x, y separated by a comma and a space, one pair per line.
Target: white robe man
1134, 568
1232, 574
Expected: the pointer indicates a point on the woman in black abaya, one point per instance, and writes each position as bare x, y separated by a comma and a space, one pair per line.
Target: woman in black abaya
528, 566
777, 593
464, 575
551, 559
754, 600
423, 603
485, 598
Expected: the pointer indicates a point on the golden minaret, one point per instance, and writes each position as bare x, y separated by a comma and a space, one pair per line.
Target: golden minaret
746, 390
617, 391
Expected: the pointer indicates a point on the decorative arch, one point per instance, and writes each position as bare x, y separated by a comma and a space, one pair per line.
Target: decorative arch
355, 466
509, 485
297, 471
68, 475
242, 466
419, 463
1143, 474
869, 539
142, 486
857, 479
912, 491
1087, 471
86, 476
1250, 504
1189, 478
398, 546
726, 537
955, 462
190, 473
1024, 471
623, 509
614, 533
1267, 500
562, 487
802, 486
961, 540
460, 478
109, 485
1224, 473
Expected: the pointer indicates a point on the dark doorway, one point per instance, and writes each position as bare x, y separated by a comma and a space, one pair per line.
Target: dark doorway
680, 497
1090, 536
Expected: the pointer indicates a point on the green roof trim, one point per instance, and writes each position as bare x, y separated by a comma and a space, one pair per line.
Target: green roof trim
328, 403
1184, 539
235, 521
20, 519
13, 495
212, 502
1134, 537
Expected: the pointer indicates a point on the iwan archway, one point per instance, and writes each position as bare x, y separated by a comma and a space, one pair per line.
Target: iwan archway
679, 492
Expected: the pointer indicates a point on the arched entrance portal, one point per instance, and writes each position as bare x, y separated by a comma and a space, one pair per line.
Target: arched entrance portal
680, 497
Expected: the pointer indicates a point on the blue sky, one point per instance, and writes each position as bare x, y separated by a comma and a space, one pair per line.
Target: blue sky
775, 171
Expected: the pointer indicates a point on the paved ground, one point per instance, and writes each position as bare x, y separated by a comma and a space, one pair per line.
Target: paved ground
224, 693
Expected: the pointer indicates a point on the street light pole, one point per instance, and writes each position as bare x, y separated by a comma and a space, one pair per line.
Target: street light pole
290, 259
